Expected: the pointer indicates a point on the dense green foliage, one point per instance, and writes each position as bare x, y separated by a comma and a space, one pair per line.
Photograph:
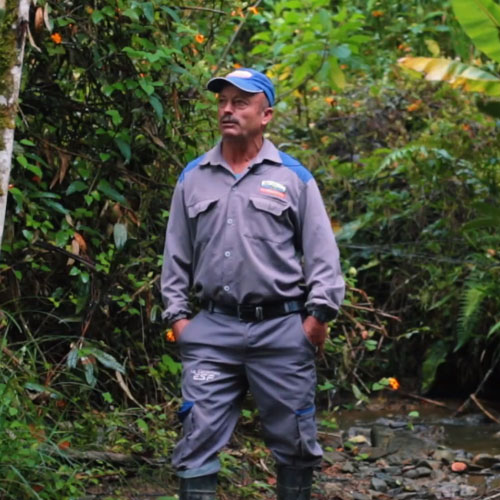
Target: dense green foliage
113, 106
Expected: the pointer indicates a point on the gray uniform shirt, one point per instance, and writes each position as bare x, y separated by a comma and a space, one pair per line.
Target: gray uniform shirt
257, 238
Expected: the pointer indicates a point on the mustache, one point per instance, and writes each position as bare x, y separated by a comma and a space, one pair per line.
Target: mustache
229, 119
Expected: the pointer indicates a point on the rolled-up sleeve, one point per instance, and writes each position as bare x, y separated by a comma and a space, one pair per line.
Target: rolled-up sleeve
177, 261
322, 272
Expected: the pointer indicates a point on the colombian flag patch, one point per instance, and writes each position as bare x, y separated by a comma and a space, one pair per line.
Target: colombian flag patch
273, 188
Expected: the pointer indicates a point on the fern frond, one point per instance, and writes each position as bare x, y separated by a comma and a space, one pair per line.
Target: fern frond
470, 312
410, 152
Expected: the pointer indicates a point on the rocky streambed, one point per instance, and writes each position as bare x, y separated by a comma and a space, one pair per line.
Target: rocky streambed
396, 459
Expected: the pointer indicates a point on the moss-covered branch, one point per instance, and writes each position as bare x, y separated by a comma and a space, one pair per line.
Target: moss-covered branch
14, 17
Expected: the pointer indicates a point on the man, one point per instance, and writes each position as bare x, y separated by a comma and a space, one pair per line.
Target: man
248, 232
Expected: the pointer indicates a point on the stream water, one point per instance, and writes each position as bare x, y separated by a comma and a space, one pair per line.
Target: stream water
471, 431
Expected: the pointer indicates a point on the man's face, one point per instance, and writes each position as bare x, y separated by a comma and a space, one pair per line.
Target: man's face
242, 115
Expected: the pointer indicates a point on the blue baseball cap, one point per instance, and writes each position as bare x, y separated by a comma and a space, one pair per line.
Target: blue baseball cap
245, 79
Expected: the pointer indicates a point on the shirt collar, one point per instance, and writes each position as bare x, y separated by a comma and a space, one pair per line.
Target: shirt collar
268, 153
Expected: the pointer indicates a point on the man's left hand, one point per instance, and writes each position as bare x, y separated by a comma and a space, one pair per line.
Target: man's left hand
316, 332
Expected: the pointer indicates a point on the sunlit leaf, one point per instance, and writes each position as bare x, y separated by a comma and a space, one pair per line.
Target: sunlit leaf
466, 77
480, 19
120, 235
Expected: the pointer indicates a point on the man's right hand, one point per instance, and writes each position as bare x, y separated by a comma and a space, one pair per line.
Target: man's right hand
178, 326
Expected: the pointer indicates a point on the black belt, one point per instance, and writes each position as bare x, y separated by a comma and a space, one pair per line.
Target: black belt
252, 312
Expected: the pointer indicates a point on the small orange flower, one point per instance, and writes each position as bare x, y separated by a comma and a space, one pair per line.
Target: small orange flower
237, 66
414, 106
343, 66
356, 104
238, 12
89, 9
64, 445
254, 10
394, 384
466, 127
330, 100
56, 38
199, 38
377, 13
315, 89
169, 335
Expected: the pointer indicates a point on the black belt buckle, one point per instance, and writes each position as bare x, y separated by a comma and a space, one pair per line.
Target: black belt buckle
249, 312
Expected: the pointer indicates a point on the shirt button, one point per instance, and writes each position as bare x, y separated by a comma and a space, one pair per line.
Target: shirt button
229, 221
227, 288
227, 254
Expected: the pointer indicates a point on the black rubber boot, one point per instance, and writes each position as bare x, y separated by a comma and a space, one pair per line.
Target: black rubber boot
198, 488
294, 483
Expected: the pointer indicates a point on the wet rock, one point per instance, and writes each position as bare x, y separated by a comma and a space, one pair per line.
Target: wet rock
348, 467
430, 464
378, 484
390, 480
394, 470
444, 455
381, 436
467, 491
360, 496
334, 457
418, 472
485, 460
337, 491
391, 423
445, 490
377, 453
405, 495
495, 483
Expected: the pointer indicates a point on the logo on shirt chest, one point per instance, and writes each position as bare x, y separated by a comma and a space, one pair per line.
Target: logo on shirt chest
273, 188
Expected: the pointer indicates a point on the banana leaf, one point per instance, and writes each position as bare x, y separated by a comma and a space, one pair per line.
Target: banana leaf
480, 19
458, 74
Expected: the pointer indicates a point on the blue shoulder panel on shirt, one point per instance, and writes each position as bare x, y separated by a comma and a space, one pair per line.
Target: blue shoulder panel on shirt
294, 164
192, 164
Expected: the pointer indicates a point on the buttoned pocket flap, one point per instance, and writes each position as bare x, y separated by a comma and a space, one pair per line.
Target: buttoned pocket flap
271, 206
200, 207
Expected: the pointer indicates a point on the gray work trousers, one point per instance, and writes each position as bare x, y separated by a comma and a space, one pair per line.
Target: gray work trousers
222, 357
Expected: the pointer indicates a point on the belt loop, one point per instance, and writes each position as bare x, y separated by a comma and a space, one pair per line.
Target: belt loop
259, 313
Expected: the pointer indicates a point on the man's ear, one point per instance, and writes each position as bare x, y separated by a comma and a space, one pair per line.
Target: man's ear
267, 115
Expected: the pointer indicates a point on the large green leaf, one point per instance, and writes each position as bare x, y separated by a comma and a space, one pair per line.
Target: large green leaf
434, 357
480, 19
458, 74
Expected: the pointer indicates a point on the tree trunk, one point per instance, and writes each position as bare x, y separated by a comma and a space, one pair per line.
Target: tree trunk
14, 17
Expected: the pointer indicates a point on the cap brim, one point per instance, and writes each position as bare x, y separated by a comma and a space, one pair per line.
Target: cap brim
217, 84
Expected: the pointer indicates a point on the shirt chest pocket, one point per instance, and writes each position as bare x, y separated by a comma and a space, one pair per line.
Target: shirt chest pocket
202, 218
268, 220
